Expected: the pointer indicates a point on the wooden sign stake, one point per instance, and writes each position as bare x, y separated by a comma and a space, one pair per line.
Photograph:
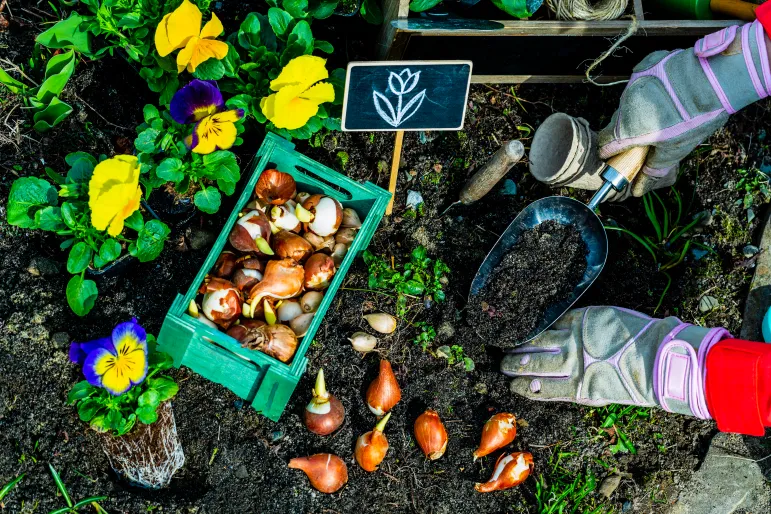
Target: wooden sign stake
395, 170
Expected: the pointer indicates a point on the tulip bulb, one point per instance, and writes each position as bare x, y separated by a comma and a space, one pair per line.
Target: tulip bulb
327, 214
319, 270
282, 279
363, 342
320, 244
311, 300
371, 448
301, 197
338, 253
383, 393
278, 341
257, 204
510, 470
289, 245
284, 217
301, 324
326, 472
350, 219
431, 434
499, 431
324, 414
289, 310
275, 187
221, 302
345, 235
382, 322
238, 332
248, 230
246, 279
225, 265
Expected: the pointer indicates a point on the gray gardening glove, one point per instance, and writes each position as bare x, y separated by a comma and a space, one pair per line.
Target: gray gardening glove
673, 102
601, 355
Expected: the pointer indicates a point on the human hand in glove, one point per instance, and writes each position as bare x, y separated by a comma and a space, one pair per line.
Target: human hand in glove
601, 355
672, 103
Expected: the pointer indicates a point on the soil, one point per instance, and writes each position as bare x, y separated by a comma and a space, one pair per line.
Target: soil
235, 458
542, 269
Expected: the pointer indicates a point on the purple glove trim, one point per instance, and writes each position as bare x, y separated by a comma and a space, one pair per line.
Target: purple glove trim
715, 43
716, 85
747, 52
760, 38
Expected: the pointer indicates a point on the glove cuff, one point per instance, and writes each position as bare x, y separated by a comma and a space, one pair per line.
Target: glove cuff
738, 386
679, 371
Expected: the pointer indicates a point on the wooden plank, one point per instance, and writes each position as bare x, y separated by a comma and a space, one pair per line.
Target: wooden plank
392, 10
571, 28
540, 79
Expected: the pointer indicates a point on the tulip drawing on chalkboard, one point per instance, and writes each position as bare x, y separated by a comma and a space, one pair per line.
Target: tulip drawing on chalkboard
400, 85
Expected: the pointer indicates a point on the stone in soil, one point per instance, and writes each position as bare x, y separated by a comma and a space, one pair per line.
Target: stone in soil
542, 269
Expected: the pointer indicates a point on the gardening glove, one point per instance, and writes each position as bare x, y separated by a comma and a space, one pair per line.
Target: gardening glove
672, 103
601, 355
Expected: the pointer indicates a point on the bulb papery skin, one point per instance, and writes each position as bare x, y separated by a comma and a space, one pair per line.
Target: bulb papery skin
384, 392
338, 253
510, 470
326, 472
371, 449
322, 417
382, 322
363, 342
289, 310
282, 279
302, 323
311, 300
345, 236
319, 271
284, 218
239, 332
278, 341
500, 430
431, 434
350, 219
275, 187
221, 302
245, 279
252, 225
225, 265
327, 214
289, 245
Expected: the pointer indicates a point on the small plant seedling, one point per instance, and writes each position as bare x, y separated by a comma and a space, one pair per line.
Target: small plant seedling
426, 336
72, 507
7, 488
755, 185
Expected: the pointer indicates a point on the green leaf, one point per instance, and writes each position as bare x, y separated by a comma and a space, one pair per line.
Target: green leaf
7, 488
150, 239
371, 12
165, 387
81, 295
68, 33
171, 169
50, 218
150, 112
231, 62
424, 5
109, 251
70, 213
81, 166
135, 221
208, 200
60, 485
324, 46
80, 391
88, 408
29, 194
516, 8
114, 419
279, 20
243, 101
80, 257
301, 35
150, 398
296, 8
222, 165
47, 118
210, 69
147, 415
87, 501
321, 9
58, 71
145, 142
11, 83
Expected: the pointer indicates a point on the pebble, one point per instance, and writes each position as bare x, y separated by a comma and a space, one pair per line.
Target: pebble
443, 352
480, 388
750, 215
241, 472
276, 436
414, 198
609, 485
60, 339
41, 266
446, 330
750, 250
238, 404
708, 303
199, 238
509, 188
627, 506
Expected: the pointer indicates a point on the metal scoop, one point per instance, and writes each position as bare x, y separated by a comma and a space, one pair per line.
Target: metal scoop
620, 171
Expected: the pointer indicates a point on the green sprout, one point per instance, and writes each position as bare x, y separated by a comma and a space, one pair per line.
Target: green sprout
72, 507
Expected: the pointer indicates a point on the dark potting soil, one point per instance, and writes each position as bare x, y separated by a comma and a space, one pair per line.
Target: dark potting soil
542, 269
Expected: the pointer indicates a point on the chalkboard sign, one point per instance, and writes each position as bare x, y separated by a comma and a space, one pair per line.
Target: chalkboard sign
406, 95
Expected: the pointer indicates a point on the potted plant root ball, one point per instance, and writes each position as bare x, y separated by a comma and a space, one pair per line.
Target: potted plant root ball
128, 402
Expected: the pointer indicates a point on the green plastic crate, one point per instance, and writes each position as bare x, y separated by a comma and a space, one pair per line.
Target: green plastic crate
264, 382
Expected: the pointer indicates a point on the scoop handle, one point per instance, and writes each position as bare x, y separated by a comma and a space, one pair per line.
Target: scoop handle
734, 9
629, 163
491, 172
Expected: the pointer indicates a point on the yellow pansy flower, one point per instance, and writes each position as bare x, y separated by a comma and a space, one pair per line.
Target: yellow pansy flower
114, 193
299, 92
182, 29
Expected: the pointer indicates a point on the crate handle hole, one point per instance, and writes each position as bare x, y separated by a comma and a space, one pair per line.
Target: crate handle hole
342, 194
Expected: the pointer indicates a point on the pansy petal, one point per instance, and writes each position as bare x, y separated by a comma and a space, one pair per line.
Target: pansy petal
214, 133
112, 191
305, 70
230, 116
291, 111
213, 28
320, 93
184, 55
129, 332
116, 225
204, 50
115, 380
183, 24
268, 106
162, 43
195, 101
77, 354
97, 363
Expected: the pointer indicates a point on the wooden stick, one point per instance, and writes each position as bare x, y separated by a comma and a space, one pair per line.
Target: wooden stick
395, 170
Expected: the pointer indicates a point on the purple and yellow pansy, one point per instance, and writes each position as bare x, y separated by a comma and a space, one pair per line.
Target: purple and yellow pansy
116, 363
201, 102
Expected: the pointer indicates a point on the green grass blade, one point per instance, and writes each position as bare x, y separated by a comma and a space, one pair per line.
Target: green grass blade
671, 264
665, 229
9, 486
686, 228
679, 200
664, 293
61, 511
704, 247
650, 211
636, 238
60, 485
86, 501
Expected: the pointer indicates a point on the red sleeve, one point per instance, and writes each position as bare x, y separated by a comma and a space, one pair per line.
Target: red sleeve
763, 12
738, 385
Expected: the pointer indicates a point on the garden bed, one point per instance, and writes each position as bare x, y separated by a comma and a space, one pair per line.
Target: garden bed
235, 458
